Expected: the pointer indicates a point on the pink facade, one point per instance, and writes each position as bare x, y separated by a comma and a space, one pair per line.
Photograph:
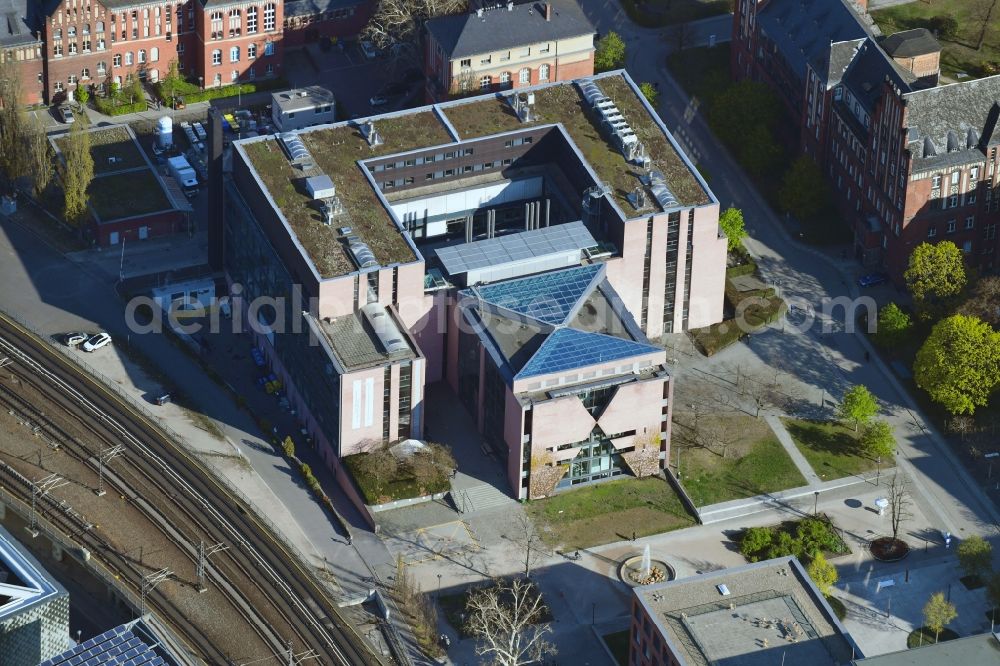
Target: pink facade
708, 269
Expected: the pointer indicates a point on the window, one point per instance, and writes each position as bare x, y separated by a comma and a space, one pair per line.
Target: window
57, 34
128, 59
251, 20
72, 48
154, 54
932, 232
953, 201
955, 175
466, 63
85, 73
524, 76
57, 50
101, 44
71, 79
180, 48
235, 75
71, 31
102, 68
216, 24
234, 21
269, 69
251, 51
970, 222
504, 57
142, 56
970, 198
269, 51
504, 77
234, 54
543, 73
217, 80
217, 57
116, 60
86, 45
86, 28
544, 49
269, 17
526, 52
974, 173
487, 60
484, 82
951, 227
59, 86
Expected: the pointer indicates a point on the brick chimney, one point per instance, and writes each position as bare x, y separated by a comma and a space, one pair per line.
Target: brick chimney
548, 11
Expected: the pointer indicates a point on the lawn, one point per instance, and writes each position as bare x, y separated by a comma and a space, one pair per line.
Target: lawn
762, 467
127, 194
112, 149
958, 53
609, 511
831, 448
618, 644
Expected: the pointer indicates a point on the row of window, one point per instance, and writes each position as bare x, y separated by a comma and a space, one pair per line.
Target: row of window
335, 15
235, 22
234, 53
951, 226
427, 159
524, 77
466, 63
447, 173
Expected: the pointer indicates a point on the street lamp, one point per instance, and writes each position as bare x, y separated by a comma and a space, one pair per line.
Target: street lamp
439, 585
878, 469
201, 83
815, 502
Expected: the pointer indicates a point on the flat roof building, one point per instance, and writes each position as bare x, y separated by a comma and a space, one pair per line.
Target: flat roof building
573, 193
756, 615
34, 607
968, 650
302, 107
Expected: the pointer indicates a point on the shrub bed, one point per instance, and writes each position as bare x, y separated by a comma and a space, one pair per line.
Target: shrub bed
192, 93
108, 107
801, 538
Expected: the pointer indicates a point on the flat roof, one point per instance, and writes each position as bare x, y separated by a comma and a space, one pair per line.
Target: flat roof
969, 650
521, 246
356, 344
302, 98
341, 150
765, 610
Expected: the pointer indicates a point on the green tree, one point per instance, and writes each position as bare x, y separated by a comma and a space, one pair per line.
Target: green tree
858, 406
610, 53
804, 191
935, 274
733, 226
784, 545
822, 573
877, 439
11, 121
755, 540
168, 86
77, 170
938, 613
82, 95
288, 446
959, 364
650, 92
37, 155
742, 107
759, 152
975, 555
892, 326
817, 536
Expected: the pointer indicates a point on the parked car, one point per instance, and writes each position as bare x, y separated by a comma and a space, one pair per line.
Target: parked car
368, 49
872, 279
96, 342
74, 339
66, 114
178, 102
379, 100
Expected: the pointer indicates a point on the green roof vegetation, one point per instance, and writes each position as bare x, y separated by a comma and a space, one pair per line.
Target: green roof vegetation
112, 149
563, 104
336, 152
136, 192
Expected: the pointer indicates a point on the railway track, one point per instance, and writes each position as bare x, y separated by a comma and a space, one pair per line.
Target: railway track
209, 511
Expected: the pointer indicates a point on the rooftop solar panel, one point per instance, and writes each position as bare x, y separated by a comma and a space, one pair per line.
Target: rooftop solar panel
569, 348
115, 647
465, 257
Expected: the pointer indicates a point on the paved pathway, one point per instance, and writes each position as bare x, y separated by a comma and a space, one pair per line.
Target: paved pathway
800, 461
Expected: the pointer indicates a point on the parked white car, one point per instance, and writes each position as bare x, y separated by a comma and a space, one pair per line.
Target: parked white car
75, 339
96, 342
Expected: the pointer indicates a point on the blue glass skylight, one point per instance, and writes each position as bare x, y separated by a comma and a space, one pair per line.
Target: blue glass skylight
548, 297
569, 348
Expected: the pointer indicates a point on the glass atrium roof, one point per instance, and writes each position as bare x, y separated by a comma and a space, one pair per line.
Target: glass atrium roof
569, 348
550, 297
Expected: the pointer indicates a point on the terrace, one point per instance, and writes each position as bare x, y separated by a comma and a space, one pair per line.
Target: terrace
562, 103
121, 195
112, 149
336, 151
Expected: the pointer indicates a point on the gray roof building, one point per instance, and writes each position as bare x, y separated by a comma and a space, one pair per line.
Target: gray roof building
911, 43
868, 70
18, 22
970, 650
507, 27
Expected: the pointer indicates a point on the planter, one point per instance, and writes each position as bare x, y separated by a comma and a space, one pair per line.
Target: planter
887, 549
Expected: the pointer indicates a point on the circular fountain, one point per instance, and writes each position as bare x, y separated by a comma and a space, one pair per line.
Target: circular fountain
643, 570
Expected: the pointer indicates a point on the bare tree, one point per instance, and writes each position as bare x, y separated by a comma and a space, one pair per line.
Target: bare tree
761, 390
523, 533
399, 23
503, 618
431, 463
378, 462
679, 36
467, 81
982, 13
899, 502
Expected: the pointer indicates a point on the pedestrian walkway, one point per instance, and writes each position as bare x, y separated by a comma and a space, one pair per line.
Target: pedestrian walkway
793, 451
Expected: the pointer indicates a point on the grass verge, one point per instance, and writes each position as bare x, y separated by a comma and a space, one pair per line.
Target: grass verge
832, 449
925, 636
609, 511
764, 467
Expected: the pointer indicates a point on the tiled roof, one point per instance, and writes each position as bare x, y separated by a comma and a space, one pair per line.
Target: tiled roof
911, 43
462, 35
17, 22
949, 120
317, 7
803, 31
868, 70
839, 59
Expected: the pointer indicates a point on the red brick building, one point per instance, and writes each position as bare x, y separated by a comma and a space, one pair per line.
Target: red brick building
21, 44
909, 161
308, 21
507, 46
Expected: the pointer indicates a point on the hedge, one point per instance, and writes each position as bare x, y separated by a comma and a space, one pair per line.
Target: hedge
107, 106
741, 270
192, 93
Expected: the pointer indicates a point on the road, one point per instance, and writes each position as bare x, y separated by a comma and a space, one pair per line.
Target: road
809, 278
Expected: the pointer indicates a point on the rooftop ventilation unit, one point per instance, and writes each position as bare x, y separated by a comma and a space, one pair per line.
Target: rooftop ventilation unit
297, 153
360, 252
658, 186
613, 122
330, 209
385, 328
371, 134
320, 187
524, 106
